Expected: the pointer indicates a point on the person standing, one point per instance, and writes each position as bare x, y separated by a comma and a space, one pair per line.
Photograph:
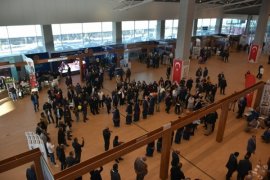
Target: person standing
168, 72
128, 74
140, 168
205, 72
108, 102
70, 160
60, 152
232, 165
260, 72
106, 137
31, 173
168, 103
34, 99
95, 174
50, 148
137, 110
114, 173
77, 149
251, 145
129, 113
223, 85
176, 172
58, 114
244, 166
145, 108
242, 103
47, 108
116, 117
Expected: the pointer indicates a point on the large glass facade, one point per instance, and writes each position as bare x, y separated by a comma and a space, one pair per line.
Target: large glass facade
171, 28
78, 35
16, 40
206, 27
233, 26
135, 31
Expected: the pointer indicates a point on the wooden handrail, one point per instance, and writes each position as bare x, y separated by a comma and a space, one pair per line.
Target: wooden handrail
18, 160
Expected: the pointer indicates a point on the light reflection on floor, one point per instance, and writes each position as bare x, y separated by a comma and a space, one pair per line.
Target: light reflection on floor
6, 106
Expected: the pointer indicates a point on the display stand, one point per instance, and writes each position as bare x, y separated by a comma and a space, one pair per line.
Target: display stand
265, 101
34, 141
10, 83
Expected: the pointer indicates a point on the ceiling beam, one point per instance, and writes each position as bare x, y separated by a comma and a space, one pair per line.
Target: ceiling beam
129, 6
232, 4
243, 7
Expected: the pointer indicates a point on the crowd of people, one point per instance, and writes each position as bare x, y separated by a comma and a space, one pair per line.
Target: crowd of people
140, 99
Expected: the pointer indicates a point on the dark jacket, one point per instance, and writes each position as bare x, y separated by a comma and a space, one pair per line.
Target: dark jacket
251, 146
177, 173
232, 163
243, 167
115, 175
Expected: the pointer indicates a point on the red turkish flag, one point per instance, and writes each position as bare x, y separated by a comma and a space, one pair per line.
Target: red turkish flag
253, 53
177, 70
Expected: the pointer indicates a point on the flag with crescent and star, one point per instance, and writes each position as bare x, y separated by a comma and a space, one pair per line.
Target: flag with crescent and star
253, 53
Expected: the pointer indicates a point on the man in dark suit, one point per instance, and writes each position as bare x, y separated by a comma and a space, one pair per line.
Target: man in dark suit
244, 167
251, 145
106, 137
77, 149
232, 165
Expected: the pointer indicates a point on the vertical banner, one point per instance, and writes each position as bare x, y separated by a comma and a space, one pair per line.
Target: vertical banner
253, 53
249, 81
30, 69
265, 101
177, 70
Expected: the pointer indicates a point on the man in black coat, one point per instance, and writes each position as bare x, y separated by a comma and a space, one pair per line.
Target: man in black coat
58, 114
232, 165
244, 166
106, 137
145, 108
223, 85
77, 149
47, 108
70, 160
116, 117
129, 111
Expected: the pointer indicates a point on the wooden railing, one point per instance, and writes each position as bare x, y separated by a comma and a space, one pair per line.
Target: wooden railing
165, 132
21, 159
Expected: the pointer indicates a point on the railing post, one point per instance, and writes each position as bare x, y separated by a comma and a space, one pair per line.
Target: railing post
258, 97
222, 122
38, 169
165, 152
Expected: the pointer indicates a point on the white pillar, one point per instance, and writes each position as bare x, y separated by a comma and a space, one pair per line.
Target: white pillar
185, 24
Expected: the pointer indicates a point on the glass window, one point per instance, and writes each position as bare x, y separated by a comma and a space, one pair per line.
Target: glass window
21, 39
233, 26
206, 27
92, 35
168, 29
128, 31
175, 28
152, 34
107, 32
141, 31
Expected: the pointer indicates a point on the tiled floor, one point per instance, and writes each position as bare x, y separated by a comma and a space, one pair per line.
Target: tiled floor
204, 152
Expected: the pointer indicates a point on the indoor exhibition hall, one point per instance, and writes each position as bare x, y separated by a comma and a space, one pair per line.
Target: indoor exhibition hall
135, 89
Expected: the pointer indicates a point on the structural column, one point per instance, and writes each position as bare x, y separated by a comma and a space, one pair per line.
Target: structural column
182, 50
162, 29
262, 23
195, 24
117, 32
247, 30
159, 34
48, 37
218, 26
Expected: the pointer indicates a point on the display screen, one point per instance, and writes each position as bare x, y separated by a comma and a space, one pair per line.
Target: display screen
74, 66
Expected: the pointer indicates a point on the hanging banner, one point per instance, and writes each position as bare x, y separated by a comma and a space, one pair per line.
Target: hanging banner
177, 70
265, 101
249, 81
253, 53
30, 69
